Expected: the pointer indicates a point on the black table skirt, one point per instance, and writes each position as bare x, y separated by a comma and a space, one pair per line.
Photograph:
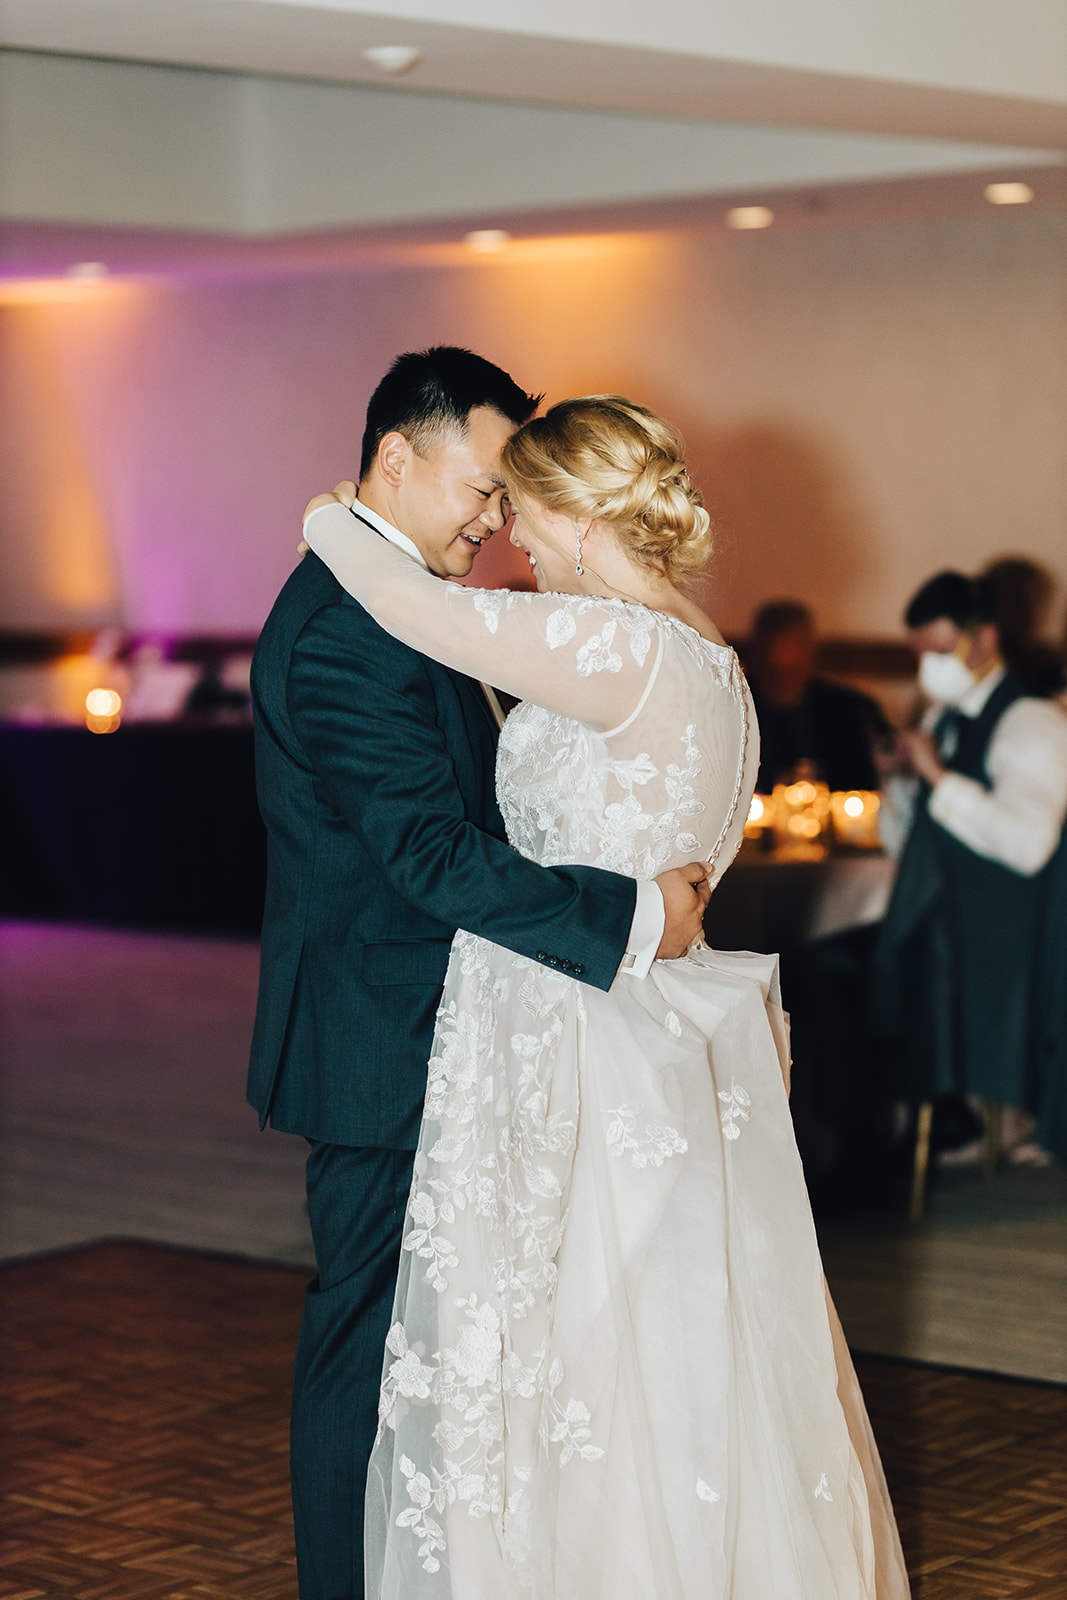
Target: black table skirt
155, 825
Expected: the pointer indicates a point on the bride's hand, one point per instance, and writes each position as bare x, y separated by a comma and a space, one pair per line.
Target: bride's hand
343, 493
685, 892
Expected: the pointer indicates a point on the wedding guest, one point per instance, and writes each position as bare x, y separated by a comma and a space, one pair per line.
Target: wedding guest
970, 973
802, 716
1022, 593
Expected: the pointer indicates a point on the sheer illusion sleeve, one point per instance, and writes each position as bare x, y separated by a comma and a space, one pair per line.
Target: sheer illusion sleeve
588, 658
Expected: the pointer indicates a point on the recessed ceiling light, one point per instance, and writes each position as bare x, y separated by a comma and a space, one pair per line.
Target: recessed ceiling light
88, 269
1008, 194
749, 217
485, 240
393, 59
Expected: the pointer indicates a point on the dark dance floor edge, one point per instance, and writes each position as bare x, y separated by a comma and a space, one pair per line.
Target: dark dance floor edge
145, 1440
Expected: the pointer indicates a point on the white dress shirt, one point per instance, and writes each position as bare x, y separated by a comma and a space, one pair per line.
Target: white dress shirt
1018, 822
646, 929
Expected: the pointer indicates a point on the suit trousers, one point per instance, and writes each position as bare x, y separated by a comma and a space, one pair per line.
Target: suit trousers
356, 1201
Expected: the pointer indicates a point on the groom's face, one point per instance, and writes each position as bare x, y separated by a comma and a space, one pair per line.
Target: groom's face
452, 498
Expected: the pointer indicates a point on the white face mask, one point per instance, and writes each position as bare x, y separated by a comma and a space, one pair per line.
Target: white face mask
944, 678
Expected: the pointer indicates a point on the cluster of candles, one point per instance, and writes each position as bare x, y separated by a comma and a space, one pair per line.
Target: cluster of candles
103, 710
802, 815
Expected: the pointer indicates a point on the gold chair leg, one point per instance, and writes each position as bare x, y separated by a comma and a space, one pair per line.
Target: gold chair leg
922, 1161
990, 1138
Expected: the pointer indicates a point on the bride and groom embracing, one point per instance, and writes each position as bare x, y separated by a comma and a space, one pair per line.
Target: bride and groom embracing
569, 1302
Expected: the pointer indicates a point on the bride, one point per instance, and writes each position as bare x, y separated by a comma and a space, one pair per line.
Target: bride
613, 1371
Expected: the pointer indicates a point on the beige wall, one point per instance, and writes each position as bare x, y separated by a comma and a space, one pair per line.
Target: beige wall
863, 404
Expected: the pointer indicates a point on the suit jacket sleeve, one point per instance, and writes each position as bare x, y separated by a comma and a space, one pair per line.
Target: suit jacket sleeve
363, 708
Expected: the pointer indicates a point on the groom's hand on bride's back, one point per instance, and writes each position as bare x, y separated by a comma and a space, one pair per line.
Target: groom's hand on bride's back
685, 892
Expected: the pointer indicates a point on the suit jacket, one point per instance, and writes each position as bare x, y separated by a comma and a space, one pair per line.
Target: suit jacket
375, 776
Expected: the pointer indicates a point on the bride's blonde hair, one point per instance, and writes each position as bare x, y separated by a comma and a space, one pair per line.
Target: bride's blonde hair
605, 457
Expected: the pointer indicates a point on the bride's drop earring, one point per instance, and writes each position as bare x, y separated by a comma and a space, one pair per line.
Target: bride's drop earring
578, 568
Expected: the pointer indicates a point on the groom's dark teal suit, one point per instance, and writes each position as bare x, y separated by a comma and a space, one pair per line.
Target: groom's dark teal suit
375, 771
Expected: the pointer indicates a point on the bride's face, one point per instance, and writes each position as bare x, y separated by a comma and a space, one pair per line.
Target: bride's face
549, 541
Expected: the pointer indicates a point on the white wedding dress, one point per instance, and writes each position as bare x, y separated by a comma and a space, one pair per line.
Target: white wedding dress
613, 1371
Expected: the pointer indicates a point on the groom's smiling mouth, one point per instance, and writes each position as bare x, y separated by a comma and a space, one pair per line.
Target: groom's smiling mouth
475, 540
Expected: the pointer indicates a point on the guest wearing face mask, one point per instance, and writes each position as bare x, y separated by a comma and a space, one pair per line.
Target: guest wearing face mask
971, 977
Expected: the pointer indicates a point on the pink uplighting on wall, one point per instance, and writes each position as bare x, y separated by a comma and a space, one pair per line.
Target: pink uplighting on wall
861, 398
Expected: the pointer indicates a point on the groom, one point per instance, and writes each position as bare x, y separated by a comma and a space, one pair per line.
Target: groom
375, 772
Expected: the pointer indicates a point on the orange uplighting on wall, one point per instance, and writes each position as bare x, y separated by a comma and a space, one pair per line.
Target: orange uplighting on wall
493, 247
80, 289
55, 509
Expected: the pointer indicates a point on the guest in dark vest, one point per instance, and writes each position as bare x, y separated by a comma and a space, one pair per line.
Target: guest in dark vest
971, 970
803, 717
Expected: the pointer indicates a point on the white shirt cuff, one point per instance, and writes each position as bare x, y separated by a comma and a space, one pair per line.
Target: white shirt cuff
646, 931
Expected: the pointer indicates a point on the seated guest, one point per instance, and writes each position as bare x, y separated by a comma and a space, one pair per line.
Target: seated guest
971, 978
802, 717
1022, 593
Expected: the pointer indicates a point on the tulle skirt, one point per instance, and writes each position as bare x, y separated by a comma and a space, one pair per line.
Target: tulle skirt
614, 1372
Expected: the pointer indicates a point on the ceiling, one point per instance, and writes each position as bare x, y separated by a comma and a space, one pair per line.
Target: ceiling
977, 70
254, 131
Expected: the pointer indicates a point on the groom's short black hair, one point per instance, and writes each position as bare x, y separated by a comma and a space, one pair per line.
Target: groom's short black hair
427, 393
966, 602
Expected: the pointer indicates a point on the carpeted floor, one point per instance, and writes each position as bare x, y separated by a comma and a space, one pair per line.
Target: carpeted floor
145, 1408
122, 1113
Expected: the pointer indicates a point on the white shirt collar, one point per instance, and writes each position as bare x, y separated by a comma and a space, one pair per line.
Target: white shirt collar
974, 701
387, 531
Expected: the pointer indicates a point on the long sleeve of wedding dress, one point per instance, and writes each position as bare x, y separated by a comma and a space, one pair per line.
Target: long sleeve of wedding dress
588, 658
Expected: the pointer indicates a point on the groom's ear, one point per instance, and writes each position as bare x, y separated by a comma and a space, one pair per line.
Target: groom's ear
392, 457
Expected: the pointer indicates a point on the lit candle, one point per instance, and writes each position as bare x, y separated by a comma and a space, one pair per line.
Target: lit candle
103, 710
759, 816
802, 817
855, 814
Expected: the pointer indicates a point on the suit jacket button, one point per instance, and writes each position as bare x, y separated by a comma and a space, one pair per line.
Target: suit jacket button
542, 955
578, 967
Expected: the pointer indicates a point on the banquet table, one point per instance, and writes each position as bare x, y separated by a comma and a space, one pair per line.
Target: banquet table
154, 825
769, 903
822, 917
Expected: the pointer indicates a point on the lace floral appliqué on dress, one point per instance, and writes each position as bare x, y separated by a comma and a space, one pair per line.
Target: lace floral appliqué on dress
565, 1360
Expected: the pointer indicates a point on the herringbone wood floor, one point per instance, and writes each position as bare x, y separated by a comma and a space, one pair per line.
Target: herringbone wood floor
145, 1442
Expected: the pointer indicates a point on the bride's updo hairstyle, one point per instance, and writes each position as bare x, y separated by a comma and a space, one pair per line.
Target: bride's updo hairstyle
604, 457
